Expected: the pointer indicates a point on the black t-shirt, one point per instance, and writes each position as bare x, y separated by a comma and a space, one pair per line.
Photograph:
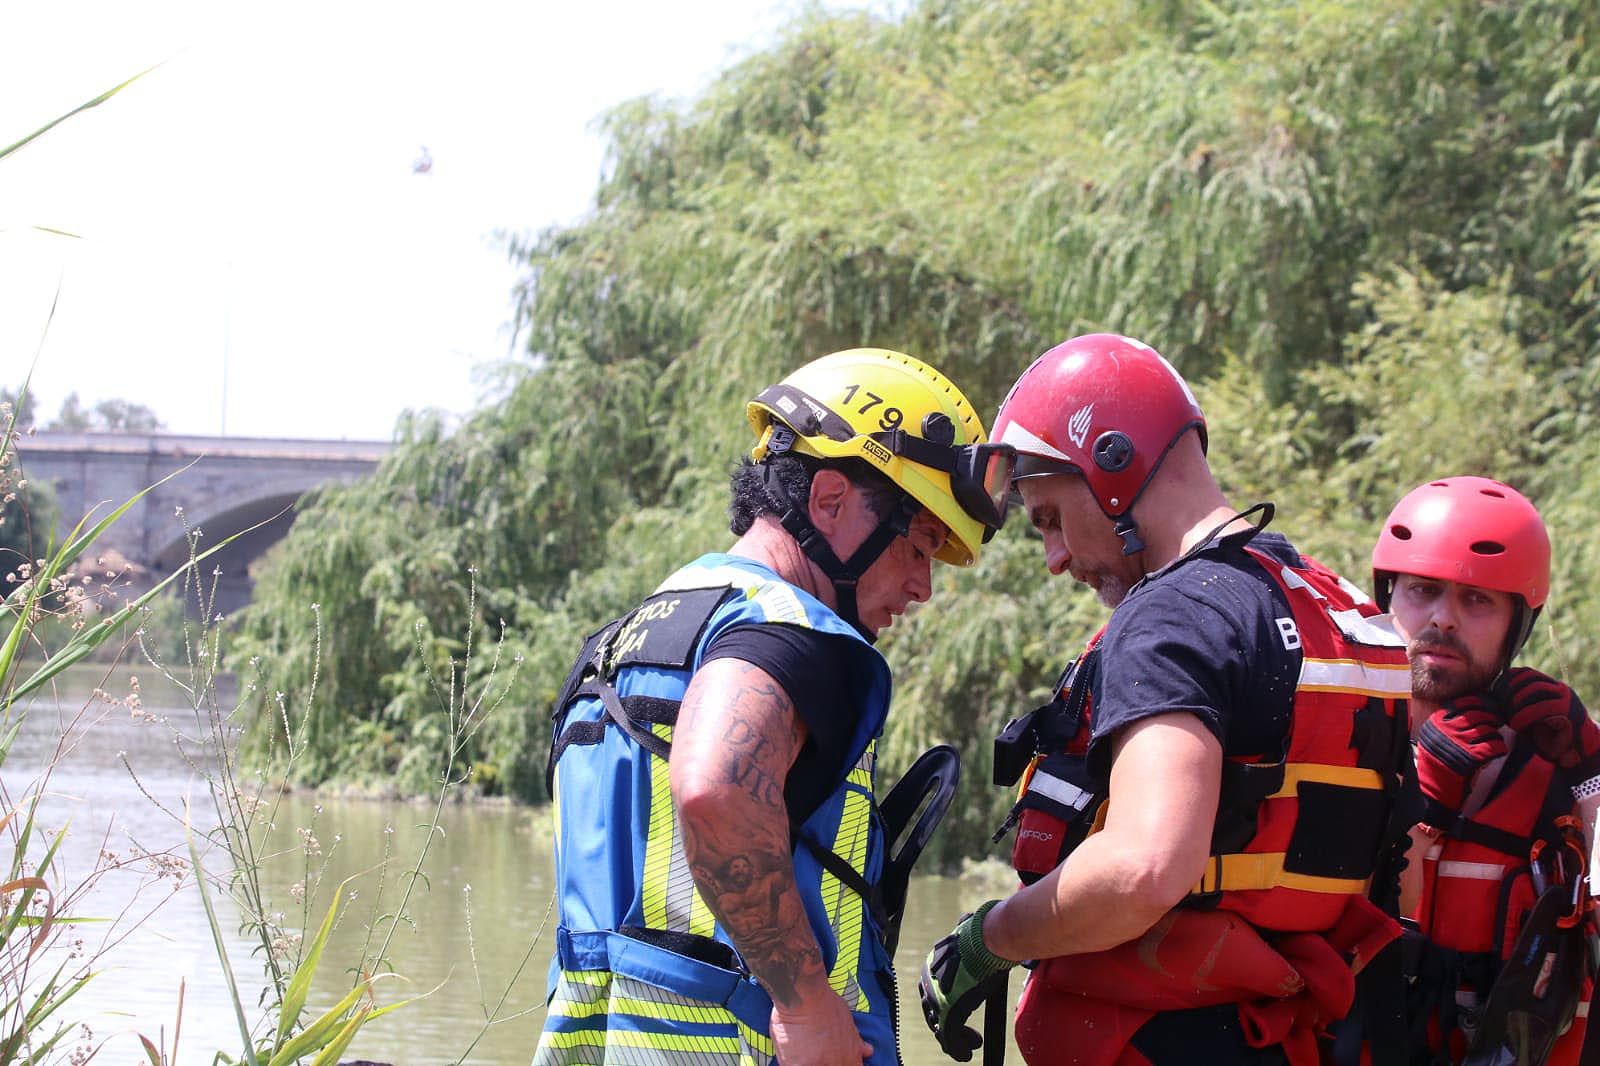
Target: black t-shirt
1202, 636
824, 675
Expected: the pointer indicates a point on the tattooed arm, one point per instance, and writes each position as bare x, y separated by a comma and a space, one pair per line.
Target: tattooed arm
736, 738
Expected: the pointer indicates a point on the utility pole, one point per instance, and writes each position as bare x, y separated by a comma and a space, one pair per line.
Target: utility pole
227, 339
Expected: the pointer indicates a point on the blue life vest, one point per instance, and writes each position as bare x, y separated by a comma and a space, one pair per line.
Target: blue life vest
627, 902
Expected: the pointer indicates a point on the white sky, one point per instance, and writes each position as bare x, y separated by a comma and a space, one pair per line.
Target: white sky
248, 224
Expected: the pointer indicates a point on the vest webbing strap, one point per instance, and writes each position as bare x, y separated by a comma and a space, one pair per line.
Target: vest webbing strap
1322, 773
1259, 871
848, 876
1501, 840
633, 714
650, 709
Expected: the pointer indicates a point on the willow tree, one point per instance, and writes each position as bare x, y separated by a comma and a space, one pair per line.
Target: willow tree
1366, 231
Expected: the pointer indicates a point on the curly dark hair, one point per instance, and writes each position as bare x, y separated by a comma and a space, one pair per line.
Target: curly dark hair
753, 487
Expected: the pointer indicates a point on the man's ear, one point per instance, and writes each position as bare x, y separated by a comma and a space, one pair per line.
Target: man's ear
830, 493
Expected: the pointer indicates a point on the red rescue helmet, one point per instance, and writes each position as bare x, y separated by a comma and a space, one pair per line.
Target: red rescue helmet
1106, 407
1472, 531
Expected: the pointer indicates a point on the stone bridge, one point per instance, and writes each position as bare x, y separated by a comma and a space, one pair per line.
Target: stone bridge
223, 485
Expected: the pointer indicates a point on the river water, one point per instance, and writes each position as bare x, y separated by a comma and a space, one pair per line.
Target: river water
475, 946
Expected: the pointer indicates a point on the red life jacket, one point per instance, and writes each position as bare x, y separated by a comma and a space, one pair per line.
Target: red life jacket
1476, 879
1298, 841
1478, 888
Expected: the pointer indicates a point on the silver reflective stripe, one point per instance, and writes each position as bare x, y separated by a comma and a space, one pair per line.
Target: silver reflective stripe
1350, 675
1064, 792
1354, 593
1472, 871
1295, 581
1375, 631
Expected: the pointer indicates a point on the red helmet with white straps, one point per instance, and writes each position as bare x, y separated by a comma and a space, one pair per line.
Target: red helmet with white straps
1473, 531
1106, 407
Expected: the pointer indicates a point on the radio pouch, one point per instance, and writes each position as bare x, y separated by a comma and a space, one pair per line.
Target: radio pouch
1054, 815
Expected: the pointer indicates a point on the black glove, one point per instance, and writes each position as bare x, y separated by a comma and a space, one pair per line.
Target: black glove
954, 981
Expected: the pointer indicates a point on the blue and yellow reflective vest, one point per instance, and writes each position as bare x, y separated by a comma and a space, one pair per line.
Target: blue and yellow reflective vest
627, 902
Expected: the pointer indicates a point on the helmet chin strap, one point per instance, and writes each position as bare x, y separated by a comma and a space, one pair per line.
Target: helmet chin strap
1521, 628
844, 575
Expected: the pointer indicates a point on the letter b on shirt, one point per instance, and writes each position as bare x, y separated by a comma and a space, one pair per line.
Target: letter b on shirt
1290, 635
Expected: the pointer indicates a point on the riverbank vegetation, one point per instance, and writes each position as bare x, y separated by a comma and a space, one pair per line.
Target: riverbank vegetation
58, 605
1368, 232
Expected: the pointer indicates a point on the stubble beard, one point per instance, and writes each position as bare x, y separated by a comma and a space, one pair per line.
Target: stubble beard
1438, 685
1112, 590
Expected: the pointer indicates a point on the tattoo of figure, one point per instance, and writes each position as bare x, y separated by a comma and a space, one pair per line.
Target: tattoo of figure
742, 732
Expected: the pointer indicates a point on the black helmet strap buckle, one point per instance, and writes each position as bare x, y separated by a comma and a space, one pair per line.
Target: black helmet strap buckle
780, 441
1128, 530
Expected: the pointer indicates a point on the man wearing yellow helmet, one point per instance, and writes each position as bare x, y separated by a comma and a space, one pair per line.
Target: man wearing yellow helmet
717, 860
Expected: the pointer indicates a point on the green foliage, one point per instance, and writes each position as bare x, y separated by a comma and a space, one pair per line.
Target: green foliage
27, 509
107, 416
27, 521
1369, 232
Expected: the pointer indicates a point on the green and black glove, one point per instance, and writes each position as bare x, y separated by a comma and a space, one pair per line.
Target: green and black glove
954, 981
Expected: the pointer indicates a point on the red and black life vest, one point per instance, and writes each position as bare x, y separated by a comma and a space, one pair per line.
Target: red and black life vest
1299, 842
1477, 882
1295, 837
1482, 874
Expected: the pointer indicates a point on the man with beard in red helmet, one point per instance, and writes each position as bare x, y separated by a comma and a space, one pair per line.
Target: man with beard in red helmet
1207, 803
1508, 761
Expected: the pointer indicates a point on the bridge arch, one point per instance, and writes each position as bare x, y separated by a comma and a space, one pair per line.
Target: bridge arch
226, 485
270, 505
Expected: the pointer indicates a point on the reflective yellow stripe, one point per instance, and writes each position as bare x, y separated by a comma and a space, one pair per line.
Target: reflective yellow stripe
760, 1043
1323, 774
642, 1008
779, 603
576, 992
1385, 681
1241, 872
660, 845
669, 896
701, 921
635, 1019
712, 1045
587, 977
846, 910
861, 773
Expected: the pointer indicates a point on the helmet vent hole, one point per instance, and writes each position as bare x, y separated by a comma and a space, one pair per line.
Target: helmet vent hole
1400, 532
1488, 547
1493, 492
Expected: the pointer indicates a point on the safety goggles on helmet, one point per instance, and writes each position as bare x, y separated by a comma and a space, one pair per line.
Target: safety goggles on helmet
980, 474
